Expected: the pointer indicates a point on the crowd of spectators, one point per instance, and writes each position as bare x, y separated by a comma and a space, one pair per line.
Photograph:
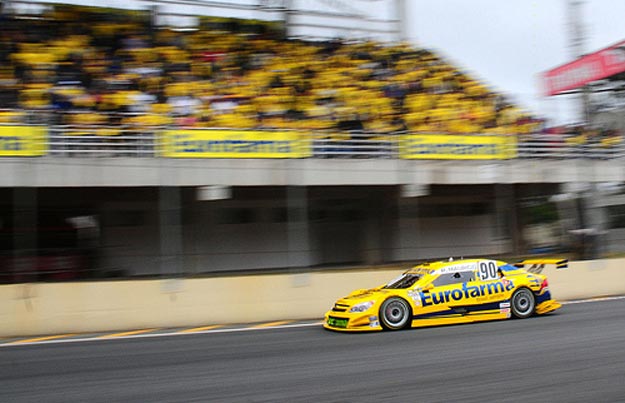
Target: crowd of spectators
578, 136
90, 68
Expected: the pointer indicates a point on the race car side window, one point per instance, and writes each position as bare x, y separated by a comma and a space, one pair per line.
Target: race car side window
406, 280
454, 278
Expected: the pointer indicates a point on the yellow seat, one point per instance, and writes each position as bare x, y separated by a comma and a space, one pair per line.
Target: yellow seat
88, 119
11, 116
611, 141
160, 108
108, 131
148, 120
76, 132
577, 140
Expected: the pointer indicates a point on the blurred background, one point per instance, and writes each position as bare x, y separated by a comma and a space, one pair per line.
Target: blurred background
144, 139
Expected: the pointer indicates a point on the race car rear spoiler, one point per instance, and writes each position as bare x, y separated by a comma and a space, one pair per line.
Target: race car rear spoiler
537, 265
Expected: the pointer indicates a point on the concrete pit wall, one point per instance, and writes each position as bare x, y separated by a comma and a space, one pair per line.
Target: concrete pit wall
36, 309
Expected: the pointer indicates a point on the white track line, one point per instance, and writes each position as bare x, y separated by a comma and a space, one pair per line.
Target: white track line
236, 330
600, 299
169, 334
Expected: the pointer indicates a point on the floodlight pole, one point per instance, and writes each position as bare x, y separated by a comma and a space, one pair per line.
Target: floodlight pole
590, 215
576, 45
288, 17
401, 11
5, 7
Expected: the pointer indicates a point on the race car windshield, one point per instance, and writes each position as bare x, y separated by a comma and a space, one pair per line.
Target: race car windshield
404, 281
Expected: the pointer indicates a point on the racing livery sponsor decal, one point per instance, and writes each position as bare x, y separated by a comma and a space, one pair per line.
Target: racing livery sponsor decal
415, 295
337, 322
488, 270
468, 310
456, 268
467, 291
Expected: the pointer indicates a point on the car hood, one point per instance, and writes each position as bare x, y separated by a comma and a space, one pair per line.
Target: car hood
364, 295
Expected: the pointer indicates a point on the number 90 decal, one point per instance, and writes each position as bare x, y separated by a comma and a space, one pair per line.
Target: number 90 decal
487, 270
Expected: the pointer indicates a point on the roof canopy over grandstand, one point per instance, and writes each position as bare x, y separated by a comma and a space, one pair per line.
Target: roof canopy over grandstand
312, 19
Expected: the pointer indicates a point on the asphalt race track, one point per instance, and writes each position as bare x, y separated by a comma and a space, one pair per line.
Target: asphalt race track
576, 354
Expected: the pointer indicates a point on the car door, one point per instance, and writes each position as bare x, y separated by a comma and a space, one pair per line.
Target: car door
444, 299
488, 293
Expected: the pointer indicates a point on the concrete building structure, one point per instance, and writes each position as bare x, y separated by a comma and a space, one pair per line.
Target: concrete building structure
154, 217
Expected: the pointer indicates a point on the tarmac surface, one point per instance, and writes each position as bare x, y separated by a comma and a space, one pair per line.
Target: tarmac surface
575, 354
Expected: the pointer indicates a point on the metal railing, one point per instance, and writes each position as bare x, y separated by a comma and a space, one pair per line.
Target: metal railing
132, 141
100, 141
354, 145
570, 146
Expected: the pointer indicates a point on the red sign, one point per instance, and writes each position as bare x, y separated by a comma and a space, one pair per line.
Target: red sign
595, 66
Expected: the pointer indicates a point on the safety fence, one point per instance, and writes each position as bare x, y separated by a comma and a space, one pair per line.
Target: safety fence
173, 142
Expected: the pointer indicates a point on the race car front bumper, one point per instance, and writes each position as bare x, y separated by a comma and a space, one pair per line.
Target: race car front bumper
345, 322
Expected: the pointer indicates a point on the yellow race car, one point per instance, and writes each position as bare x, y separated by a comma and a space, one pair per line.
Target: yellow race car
448, 292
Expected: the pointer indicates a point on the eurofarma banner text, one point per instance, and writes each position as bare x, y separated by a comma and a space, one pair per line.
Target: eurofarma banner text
22, 141
430, 146
233, 144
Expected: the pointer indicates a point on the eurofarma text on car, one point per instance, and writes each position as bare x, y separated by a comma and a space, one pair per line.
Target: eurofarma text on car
447, 292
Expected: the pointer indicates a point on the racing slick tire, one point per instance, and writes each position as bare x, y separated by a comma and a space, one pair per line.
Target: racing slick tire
395, 314
523, 303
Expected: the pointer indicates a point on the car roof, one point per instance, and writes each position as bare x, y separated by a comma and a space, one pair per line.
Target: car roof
449, 266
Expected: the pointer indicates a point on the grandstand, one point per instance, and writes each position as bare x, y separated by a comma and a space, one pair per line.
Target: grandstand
205, 104
91, 66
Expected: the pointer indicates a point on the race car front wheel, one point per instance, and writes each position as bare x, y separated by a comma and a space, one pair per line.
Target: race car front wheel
395, 314
523, 303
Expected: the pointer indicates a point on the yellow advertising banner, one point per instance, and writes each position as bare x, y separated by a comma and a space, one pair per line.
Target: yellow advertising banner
22, 141
454, 147
234, 144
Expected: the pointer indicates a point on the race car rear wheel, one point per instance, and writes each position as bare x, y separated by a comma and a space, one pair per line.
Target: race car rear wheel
395, 314
523, 303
